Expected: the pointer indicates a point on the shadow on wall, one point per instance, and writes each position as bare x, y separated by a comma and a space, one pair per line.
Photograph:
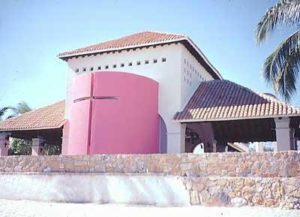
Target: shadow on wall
163, 139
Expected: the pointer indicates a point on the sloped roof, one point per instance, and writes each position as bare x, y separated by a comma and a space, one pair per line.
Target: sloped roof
144, 39
224, 100
137, 39
48, 117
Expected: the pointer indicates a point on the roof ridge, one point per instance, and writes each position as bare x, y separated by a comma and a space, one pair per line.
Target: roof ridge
163, 32
123, 38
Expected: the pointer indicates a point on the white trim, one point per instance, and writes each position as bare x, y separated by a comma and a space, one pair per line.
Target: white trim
233, 119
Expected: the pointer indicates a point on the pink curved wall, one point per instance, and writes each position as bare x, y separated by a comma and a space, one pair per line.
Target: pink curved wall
113, 112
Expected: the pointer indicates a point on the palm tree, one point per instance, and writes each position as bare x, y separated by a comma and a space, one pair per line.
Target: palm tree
10, 111
282, 66
3, 111
21, 108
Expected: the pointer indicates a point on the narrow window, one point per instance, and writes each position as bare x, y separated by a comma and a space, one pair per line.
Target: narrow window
122, 65
84, 69
155, 61
146, 61
130, 64
138, 62
114, 66
106, 67
92, 68
163, 59
99, 67
76, 70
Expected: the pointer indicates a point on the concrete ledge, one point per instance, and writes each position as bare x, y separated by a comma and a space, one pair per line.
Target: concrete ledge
95, 188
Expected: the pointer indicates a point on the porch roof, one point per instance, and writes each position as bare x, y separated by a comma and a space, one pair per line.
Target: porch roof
48, 117
223, 100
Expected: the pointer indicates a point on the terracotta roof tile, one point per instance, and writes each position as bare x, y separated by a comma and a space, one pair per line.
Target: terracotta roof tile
48, 117
221, 100
134, 40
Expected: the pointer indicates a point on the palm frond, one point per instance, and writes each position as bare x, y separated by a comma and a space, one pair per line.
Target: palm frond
284, 12
4, 110
282, 66
23, 107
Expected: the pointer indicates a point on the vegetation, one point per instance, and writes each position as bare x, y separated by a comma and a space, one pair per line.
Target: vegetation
20, 147
52, 149
282, 66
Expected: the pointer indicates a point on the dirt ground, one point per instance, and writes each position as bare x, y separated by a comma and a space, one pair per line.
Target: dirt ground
12, 208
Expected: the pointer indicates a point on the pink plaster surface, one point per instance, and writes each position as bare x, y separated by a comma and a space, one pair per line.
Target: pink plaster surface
123, 117
79, 122
82, 86
79, 128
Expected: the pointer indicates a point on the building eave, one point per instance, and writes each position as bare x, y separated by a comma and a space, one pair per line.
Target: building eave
201, 58
66, 56
236, 119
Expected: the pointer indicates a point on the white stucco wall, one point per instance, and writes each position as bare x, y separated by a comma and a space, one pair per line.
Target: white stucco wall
172, 66
166, 73
193, 73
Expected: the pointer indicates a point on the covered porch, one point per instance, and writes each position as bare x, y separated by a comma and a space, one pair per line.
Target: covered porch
223, 116
42, 127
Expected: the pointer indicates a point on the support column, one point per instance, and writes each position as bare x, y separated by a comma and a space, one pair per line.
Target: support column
65, 138
176, 139
284, 135
4, 144
38, 146
214, 144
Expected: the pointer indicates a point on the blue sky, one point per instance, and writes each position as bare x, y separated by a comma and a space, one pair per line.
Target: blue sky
33, 32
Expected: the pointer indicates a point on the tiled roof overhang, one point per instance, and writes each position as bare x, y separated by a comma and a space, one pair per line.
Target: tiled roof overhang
222, 100
141, 40
48, 117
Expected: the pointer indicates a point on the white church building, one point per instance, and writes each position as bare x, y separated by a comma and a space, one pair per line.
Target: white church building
153, 92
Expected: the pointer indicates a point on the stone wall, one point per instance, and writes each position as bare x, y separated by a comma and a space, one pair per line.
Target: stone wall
217, 179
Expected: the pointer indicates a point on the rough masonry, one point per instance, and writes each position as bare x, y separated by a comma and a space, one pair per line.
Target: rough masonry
216, 179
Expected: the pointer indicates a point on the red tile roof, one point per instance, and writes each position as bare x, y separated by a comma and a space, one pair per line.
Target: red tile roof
224, 100
143, 39
48, 117
134, 40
